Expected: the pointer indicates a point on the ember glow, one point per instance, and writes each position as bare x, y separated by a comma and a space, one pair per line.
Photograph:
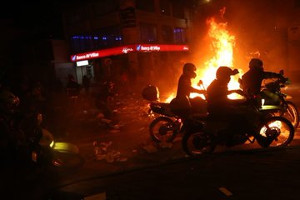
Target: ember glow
222, 45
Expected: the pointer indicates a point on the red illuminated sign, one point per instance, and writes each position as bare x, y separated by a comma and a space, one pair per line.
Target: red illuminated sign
161, 47
127, 49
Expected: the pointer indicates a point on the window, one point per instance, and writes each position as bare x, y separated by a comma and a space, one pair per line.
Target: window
109, 36
127, 17
79, 43
148, 33
104, 38
104, 7
165, 7
179, 35
167, 34
178, 10
146, 5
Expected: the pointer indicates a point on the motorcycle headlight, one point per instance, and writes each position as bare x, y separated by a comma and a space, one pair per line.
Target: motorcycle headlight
263, 102
51, 144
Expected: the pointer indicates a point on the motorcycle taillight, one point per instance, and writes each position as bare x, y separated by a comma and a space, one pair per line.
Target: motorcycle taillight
39, 118
34, 156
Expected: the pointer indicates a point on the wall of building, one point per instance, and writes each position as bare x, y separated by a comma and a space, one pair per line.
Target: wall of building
132, 21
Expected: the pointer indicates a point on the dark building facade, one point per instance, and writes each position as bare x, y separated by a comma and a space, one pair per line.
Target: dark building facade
144, 39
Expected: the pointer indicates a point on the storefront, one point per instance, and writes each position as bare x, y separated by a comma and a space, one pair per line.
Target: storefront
139, 59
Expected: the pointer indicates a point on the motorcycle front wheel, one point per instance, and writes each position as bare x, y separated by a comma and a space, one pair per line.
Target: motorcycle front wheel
163, 129
197, 143
291, 113
276, 132
63, 160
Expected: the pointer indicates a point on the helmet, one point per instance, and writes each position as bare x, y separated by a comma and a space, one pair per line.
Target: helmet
8, 102
256, 64
189, 69
224, 71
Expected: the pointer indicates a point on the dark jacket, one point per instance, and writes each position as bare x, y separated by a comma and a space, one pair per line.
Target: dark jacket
184, 88
251, 81
217, 96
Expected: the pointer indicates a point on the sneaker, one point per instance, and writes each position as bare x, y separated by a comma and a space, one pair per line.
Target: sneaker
268, 141
271, 136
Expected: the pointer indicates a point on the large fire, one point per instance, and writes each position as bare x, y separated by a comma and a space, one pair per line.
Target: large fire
222, 45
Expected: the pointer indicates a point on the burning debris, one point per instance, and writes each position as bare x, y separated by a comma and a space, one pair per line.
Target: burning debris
221, 48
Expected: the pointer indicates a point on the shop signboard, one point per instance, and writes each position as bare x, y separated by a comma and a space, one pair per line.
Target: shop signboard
128, 49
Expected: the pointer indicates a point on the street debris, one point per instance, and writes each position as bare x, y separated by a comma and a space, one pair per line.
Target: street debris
166, 145
103, 153
114, 131
177, 139
150, 148
142, 128
99, 196
134, 151
225, 191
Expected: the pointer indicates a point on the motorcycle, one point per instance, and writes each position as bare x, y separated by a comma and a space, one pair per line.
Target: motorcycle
45, 151
205, 133
275, 101
168, 124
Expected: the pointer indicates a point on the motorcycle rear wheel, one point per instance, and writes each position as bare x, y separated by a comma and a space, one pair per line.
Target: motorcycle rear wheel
163, 129
278, 128
197, 143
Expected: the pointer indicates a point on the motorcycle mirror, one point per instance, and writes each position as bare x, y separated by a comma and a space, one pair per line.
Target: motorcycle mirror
200, 82
281, 72
235, 71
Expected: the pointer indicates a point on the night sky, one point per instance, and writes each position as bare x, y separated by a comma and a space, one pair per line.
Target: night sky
40, 18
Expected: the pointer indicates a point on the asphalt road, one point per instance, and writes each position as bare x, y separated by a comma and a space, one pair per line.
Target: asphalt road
165, 172
234, 175
131, 166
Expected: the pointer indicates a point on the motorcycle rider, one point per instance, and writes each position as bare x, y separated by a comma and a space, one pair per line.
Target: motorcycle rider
182, 104
235, 113
105, 91
184, 84
10, 137
251, 81
217, 91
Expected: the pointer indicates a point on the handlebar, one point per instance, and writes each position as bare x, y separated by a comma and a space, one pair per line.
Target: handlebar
277, 84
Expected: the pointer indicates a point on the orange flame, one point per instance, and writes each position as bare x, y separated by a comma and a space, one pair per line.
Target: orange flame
222, 44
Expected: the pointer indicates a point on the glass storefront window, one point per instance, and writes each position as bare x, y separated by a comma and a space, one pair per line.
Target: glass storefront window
105, 38
148, 33
179, 35
167, 34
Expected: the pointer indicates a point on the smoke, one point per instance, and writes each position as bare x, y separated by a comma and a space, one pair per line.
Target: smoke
255, 25
259, 28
